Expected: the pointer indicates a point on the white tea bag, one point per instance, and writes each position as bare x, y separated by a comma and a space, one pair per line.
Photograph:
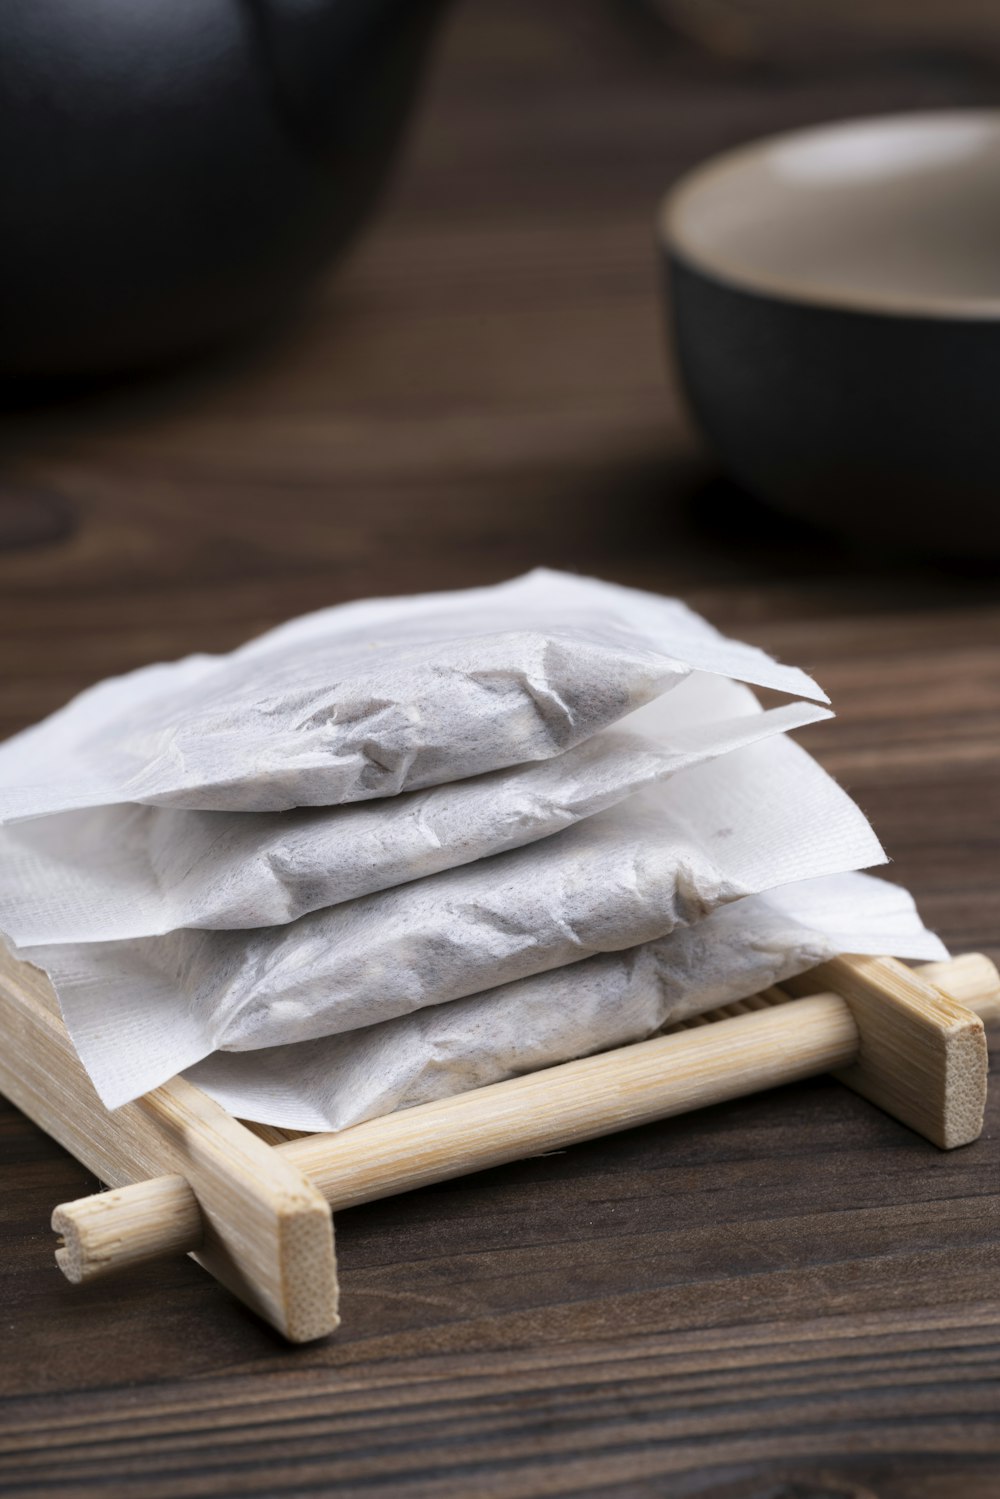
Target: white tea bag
373, 698
585, 1007
762, 816
111, 873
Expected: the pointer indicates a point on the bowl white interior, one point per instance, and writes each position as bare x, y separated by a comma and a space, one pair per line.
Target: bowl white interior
899, 214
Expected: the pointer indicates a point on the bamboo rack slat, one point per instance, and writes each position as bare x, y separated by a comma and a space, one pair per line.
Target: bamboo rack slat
264, 1229
923, 1056
472, 1131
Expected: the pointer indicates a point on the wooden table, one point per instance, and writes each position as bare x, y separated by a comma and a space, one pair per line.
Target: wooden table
790, 1296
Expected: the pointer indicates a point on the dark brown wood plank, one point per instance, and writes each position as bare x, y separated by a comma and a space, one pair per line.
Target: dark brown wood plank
784, 1298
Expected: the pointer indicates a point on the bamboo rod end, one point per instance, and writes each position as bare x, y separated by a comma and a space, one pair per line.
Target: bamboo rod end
70, 1255
128, 1226
971, 979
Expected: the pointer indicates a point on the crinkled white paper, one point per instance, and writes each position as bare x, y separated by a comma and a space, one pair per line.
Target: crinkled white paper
760, 817
374, 698
569, 1012
111, 873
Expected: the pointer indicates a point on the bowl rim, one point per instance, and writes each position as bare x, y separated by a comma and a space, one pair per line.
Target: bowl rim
732, 273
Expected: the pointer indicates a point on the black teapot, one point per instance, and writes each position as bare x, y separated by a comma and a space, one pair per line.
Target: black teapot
173, 170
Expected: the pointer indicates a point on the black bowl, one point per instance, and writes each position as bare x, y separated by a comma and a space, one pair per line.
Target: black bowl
836, 321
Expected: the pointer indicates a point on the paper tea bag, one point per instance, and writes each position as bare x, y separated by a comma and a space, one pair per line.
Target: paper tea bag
762, 816
112, 873
374, 698
568, 1012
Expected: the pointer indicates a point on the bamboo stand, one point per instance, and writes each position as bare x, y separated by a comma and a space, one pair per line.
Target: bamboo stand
253, 1205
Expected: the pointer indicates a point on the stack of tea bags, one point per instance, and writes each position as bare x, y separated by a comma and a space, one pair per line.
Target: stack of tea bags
404, 847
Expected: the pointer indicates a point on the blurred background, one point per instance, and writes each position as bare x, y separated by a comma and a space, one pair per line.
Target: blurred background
482, 383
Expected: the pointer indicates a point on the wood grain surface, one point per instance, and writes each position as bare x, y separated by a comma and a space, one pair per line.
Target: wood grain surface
789, 1297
